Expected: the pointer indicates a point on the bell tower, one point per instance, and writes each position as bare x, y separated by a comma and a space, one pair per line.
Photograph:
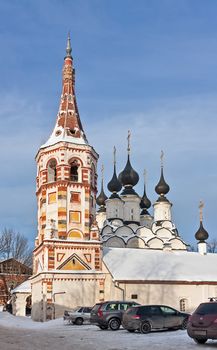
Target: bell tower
68, 237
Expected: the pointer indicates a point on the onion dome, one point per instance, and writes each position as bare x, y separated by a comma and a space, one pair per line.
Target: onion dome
162, 187
145, 202
114, 184
128, 177
201, 235
100, 200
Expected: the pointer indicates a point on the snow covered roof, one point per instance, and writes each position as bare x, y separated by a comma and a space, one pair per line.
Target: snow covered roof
24, 287
59, 135
155, 265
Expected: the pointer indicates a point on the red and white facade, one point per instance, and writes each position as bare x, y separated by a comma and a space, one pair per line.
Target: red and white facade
67, 254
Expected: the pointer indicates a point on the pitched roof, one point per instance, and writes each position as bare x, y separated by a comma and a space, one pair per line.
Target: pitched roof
155, 265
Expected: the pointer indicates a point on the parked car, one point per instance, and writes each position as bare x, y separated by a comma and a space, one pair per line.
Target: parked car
145, 318
202, 324
78, 316
108, 314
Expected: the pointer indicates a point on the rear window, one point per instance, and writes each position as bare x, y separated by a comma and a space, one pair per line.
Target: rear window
96, 307
209, 308
132, 311
143, 310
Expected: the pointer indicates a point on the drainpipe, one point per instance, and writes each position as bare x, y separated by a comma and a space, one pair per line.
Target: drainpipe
116, 284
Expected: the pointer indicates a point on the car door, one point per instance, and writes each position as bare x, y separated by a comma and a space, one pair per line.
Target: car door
86, 314
170, 316
154, 315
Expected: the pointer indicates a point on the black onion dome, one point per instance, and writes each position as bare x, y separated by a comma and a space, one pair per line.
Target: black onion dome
145, 202
162, 187
201, 234
128, 177
100, 200
114, 184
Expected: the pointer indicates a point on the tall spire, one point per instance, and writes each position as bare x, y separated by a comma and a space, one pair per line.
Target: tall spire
68, 125
68, 47
145, 202
114, 184
100, 200
128, 177
201, 235
162, 187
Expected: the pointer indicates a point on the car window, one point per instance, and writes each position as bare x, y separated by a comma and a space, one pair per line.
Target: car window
80, 309
112, 306
125, 306
143, 310
209, 308
168, 310
154, 310
132, 311
96, 307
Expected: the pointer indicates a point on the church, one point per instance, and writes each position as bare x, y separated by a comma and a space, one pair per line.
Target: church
119, 251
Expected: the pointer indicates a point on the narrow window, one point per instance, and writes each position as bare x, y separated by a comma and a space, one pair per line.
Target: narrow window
74, 171
52, 171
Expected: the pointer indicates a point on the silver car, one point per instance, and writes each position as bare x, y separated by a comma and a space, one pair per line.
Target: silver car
78, 316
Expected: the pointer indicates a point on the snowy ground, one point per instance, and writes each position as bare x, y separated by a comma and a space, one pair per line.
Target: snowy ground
21, 333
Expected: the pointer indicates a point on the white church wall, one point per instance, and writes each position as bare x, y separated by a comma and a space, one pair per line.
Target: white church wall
162, 211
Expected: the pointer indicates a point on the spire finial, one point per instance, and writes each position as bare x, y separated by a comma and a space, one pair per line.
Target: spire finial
114, 155
162, 158
201, 206
102, 171
145, 176
68, 47
128, 141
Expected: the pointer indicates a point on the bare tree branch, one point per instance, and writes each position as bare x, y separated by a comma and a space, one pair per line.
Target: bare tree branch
14, 245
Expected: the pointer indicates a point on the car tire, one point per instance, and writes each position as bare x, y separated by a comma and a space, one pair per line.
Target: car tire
145, 327
114, 324
79, 321
184, 323
103, 327
200, 340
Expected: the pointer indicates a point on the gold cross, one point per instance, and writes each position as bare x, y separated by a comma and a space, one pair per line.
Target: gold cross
161, 158
145, 176
114, 155
102, 171
201, 206
128, 141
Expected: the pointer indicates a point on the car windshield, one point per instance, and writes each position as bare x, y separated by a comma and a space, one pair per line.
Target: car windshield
209, 308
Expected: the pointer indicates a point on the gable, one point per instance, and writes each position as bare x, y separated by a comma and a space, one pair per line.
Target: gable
74, 262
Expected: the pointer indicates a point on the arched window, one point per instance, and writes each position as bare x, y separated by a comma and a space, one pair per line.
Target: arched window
74, 171
52, 171
75, 234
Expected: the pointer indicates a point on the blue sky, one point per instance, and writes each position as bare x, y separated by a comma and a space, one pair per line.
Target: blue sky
147, 66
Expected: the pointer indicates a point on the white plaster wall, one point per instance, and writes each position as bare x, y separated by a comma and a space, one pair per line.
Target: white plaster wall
167, 294
162, 211
114, 208
131, 208
19, 303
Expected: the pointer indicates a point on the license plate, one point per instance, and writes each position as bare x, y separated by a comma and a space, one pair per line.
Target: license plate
200, 333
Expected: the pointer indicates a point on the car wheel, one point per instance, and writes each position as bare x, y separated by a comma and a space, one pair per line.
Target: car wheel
103, 327
200, 340
79, 321
145, 327
184, 323
114, 324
